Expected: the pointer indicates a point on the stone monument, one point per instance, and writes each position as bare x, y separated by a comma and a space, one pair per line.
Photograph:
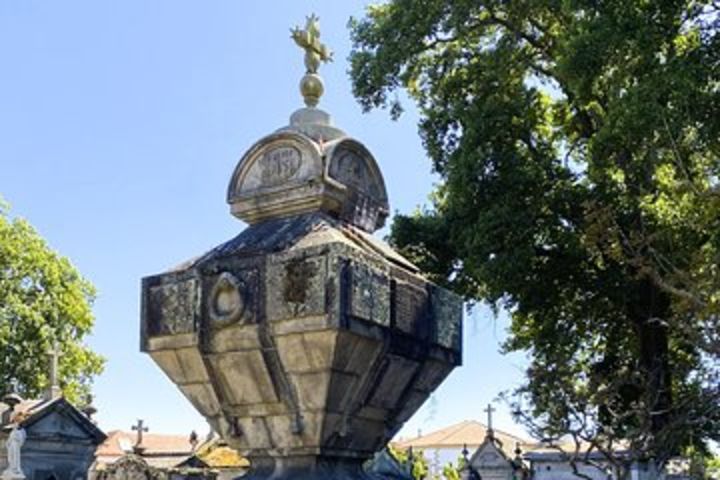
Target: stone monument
305, 341
14, 444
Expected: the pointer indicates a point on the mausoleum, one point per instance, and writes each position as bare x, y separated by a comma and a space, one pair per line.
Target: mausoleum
305, 341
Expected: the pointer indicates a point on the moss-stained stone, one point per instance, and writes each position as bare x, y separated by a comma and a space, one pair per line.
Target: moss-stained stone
173, 306
447, 315
302, 340
296, 286
369, 297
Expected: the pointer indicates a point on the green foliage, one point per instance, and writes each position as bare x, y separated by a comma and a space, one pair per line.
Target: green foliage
419, 469
450, 472
42, 299
578, 144
712, 467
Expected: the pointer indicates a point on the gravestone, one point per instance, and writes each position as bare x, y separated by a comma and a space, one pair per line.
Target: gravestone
305, 341
60, 440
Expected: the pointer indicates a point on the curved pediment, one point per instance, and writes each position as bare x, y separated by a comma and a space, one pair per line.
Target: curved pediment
288, 173
276, 162
352, 165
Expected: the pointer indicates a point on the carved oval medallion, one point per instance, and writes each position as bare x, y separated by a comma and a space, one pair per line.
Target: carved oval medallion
279, 164
226, 301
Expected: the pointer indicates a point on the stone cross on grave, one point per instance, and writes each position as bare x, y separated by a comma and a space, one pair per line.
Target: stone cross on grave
139, 428
53, 354
489, 411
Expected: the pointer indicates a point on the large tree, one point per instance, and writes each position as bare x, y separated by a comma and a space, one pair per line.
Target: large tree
578, 143
44, 304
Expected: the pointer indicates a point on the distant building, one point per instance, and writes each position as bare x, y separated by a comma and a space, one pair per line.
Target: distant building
494, 455
548, 463
171, 457
160, 451
60, 439
215, 455
446, 445
491, 462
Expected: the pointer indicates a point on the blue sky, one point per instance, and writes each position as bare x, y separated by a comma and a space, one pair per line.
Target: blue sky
120, 125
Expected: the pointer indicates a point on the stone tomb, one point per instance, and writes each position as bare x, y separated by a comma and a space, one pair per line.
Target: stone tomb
305, 341
60, 442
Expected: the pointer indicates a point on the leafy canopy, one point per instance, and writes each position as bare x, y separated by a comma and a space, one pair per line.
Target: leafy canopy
43, 300
578, 146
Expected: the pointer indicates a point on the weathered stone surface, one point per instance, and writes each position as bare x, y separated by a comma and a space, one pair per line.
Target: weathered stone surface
244, 377
305, 341
284, 174
172, 307
203, 398
447, 312
297, 286
369, 296
230, 297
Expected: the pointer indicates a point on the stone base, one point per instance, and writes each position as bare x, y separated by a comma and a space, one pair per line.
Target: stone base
12, 475
294, 468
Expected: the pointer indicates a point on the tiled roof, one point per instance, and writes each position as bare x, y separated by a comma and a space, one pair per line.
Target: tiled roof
119, 443
468, 433
30, 411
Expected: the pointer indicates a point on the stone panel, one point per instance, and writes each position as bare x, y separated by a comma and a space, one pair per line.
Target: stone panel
281, 428
234, 338
172, 307
244, 377
311, 389
369, 296
391, 385
447, 311
351, 435
354, 353
307, 352
366, 434
342, 385
296, 287
249, 433
183, 365
410, 309
192, 364
203, 398
433, 373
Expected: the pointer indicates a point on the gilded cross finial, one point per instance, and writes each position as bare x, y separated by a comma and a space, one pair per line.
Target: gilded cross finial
308, 39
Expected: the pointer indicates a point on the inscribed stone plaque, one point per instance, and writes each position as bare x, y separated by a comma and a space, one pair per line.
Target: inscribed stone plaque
369, 295
279, 165
172, 307
352, 170
410, 309
447, 312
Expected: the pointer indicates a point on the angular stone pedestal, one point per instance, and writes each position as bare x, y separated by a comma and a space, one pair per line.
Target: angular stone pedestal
305, 341
307, 468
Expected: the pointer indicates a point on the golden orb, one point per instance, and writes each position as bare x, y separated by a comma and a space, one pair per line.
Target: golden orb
311, 87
